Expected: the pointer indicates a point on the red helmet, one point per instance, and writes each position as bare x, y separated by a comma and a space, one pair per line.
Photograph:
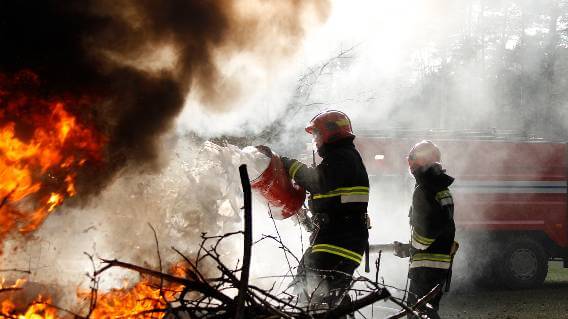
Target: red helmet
423, 154
330, 126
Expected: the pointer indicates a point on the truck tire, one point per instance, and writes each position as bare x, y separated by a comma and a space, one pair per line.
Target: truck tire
523, 263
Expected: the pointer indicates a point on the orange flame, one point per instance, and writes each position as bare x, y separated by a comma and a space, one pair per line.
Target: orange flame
42, 146
143, 300
39, 309
18, 284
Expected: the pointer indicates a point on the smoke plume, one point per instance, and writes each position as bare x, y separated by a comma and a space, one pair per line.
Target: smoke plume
138, 60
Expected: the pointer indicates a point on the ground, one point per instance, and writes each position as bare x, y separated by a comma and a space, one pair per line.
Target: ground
548, 301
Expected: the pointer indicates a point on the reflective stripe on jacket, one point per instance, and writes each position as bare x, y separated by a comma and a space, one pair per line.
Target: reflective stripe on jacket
439, 261
357, 194
336, 250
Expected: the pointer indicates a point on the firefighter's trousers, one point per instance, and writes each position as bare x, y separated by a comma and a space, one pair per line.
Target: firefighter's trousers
323, 278
422, 281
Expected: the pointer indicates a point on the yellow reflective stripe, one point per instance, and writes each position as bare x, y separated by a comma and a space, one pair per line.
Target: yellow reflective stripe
421, 239
347, 251
319, 196
349, 189
322, 250
443, 194
356, 190
444, 198
343, 122
294, 169
336, 250
362, 188
432, 257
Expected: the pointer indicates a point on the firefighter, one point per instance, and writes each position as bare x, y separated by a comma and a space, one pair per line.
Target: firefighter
432, 245
339, 193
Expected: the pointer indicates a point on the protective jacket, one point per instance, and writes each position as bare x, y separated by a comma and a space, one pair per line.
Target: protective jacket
339, 194
432, 221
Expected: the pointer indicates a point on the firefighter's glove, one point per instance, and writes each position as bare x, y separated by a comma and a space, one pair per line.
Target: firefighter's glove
305, 220
367, 220
401, 250
287, 162
455, 247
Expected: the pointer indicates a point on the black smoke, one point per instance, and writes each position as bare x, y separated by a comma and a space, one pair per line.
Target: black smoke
100, 49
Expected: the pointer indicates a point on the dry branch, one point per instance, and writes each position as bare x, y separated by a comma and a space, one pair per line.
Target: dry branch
201, 287
414, 308
243, 285
201, 297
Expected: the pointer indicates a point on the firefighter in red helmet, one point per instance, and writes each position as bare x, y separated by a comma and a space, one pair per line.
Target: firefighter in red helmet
432, 245
339, 193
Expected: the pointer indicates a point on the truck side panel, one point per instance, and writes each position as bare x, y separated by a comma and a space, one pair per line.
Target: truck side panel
500, 185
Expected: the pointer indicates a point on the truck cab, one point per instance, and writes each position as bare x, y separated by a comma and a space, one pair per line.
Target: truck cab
510, 194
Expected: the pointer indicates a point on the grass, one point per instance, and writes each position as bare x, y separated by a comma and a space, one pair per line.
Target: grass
548, 301
557, 273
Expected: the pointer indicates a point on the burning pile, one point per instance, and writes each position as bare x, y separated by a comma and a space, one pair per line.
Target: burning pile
38, 309
147, 298
43, 147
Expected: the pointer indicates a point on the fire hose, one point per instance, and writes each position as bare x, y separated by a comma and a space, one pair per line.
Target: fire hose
402, 250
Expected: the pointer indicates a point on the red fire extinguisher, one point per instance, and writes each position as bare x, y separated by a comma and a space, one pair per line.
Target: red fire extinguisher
284, 197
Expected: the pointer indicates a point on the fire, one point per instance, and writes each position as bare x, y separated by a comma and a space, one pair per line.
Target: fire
42, 147
135, 302
143, 300
39, 309
18, 284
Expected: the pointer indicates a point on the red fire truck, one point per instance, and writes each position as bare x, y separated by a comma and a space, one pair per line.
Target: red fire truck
510, 197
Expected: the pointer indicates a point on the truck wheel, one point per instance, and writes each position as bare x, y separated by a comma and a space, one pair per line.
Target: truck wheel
523, 264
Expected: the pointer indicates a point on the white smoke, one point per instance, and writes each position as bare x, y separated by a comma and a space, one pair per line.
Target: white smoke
197, 191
